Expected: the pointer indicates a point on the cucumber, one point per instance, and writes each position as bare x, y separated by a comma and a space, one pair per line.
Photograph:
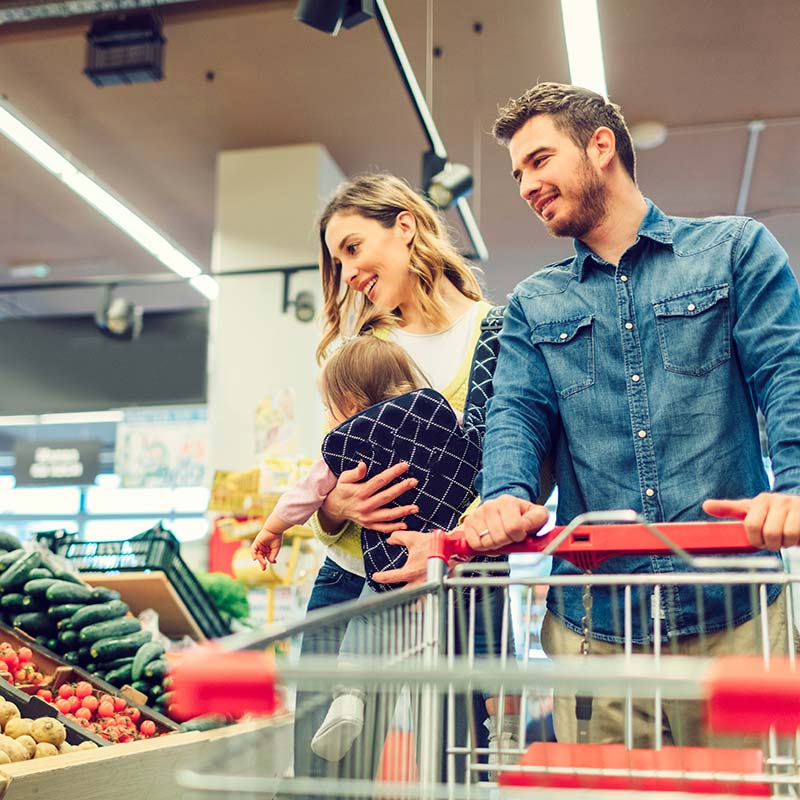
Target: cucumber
16, 575
206, 722
100, 594
119, 646
9, 542
7, 559
52, 644
110, 628
12, 601
144, 655
141, 686
66, 575
89, 615
36, 623
117, 663
71, 657
155, 692
40, 572
37, 587
33, 603
119, 676
166, 698
69, 640
156, 670
67, 592
63, 611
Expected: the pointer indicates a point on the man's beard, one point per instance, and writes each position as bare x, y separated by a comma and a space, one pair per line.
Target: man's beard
590, 207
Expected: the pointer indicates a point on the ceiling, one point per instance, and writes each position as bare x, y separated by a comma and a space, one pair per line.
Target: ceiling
245, 74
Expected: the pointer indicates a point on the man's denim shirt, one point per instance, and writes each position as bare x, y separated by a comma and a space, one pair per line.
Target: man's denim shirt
644, 379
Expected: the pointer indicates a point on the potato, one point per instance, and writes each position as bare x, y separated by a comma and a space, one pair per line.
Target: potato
44, 749
13, 749
28, 743
64, 747
18, 726
7, 712
4, 759
87, 745
47, 729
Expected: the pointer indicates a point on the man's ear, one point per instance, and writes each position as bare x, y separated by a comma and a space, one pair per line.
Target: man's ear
405, 225
602, 147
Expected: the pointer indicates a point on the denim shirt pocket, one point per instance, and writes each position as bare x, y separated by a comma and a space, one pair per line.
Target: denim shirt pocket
568, 348
694, 330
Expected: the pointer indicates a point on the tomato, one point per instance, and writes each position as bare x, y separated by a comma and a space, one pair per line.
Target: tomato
90, 702
65, 690
134, 713
83, 713
45, 694
21, 676
105, 709
63, 705
83, 689
74, 702
147, 728
107, 698
25, 654
119, 704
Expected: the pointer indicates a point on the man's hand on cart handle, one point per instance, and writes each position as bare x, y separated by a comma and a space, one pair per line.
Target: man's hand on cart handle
415, 570
502, 521
771, 520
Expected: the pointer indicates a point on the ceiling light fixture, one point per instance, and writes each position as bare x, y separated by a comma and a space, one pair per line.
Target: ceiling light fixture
584, 45
19, 131
330, 16
444, 183
119, 318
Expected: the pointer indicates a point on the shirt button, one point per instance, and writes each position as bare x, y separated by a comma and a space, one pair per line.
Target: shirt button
635, 378
642, 434
623, 278
649, 492
563, 336
691, 307
628, 326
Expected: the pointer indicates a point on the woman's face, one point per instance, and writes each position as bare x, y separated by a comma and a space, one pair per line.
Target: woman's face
374, 260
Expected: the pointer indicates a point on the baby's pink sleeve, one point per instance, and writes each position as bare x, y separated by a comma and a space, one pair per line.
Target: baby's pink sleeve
297, 504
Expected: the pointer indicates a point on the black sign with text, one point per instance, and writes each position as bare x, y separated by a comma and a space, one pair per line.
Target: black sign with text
56, 463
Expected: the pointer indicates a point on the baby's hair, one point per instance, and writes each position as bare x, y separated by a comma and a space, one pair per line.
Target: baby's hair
368, 370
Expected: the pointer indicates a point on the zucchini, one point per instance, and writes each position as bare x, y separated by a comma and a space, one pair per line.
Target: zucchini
52, 644
69, 640
16, 575
36, 623
71, 657
67, 592
119, 676
119, 646
38, 586
40, 572
110, 628
33, 603
7, 559
156, 670
89, 615
100, 594
63, 611
144, 655
12, 601
9, 542
141, 686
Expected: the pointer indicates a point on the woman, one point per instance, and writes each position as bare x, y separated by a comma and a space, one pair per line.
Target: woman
388, 269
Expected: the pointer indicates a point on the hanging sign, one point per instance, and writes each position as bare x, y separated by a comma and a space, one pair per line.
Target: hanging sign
56, 463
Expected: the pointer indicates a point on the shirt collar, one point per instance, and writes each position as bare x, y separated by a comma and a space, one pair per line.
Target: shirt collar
654, 225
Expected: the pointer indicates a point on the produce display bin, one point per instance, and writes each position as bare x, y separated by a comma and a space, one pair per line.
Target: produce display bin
53, 666
156, 549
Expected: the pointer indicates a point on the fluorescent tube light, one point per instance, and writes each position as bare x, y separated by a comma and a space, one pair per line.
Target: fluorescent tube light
584, 46
19, 419
15, 128
75, 417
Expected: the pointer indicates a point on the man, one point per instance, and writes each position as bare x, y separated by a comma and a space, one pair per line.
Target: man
640, 363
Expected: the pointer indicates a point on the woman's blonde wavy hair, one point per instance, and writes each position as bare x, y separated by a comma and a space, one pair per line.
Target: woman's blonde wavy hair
432, 257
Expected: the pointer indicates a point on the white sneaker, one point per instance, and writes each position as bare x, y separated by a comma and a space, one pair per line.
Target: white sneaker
340, 728
503, 751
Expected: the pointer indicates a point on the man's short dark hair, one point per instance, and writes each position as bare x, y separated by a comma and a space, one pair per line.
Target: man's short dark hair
576, 111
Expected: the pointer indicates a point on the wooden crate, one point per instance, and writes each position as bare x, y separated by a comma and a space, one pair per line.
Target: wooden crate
147, 769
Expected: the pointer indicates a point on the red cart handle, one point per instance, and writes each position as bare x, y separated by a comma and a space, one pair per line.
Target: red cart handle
587, 546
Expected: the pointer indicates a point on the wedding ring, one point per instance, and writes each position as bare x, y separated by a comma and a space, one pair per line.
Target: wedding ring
483, 533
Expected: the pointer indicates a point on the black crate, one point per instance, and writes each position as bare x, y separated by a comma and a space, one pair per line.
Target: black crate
155, 549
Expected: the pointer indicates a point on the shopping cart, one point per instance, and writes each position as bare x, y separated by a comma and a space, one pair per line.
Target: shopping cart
426, 682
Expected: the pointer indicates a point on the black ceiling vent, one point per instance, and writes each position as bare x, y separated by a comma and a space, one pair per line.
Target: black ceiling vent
125, 48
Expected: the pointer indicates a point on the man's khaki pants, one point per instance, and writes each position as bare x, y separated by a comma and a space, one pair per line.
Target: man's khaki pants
682, 721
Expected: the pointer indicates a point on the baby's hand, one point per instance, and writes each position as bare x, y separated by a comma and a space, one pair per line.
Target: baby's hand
265, 547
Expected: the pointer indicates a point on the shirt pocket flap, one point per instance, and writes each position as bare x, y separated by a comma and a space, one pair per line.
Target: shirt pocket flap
560, 332
691, 304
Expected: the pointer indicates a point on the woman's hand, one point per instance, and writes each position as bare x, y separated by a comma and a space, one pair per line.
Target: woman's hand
362, 501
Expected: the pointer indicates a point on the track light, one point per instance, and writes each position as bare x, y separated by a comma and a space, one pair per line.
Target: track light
119, 318
304, 302
330, 16
444, 183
